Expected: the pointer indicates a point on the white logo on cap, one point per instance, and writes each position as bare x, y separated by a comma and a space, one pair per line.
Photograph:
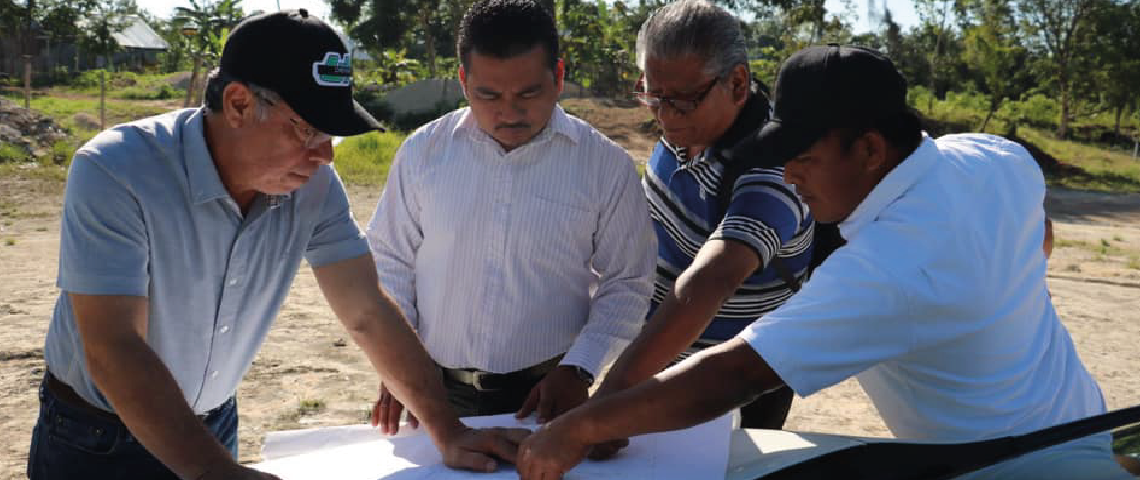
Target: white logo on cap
334, 71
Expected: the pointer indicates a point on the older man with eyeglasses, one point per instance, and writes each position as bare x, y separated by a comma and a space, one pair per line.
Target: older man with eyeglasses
734, 242
181, 235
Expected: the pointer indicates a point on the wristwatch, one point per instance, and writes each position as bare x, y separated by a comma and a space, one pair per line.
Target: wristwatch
583, 374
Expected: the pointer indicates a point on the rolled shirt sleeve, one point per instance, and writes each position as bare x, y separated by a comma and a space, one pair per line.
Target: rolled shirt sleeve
104, 249
336, 236
764, 213
624, 259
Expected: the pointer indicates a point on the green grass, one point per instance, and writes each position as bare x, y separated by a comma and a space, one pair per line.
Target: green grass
10, 153
51, 173
1105, 169
364, 159
311, 406
10, 242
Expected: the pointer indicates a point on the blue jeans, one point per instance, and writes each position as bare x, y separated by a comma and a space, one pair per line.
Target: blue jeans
72, 443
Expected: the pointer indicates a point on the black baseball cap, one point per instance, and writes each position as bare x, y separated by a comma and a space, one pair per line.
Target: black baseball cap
821, 88
304, 61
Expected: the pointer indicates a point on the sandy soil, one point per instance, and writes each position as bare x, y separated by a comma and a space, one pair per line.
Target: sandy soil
308, 374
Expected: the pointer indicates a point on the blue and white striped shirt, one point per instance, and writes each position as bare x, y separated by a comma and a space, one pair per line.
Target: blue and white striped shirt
764, 213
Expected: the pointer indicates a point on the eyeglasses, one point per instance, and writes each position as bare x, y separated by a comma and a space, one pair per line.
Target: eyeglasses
309, 137
681, 105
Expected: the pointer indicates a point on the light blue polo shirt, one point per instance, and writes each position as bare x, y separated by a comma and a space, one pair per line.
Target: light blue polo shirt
146, 214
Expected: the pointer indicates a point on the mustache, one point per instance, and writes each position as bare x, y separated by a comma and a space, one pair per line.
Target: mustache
512, 125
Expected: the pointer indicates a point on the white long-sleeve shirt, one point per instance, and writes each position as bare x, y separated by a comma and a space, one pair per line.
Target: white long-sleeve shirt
501, 260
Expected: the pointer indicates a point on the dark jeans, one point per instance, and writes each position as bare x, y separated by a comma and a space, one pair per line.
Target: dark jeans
468, 401
70, 442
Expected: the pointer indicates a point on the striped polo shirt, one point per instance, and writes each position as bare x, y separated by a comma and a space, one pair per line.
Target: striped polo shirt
764, 213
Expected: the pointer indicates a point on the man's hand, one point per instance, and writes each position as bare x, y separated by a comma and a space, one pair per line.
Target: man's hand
386, 413
561, 390
235, 472
480, 449
550, 452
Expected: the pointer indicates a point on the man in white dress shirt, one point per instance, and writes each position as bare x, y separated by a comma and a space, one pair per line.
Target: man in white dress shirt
937, 304
514, 237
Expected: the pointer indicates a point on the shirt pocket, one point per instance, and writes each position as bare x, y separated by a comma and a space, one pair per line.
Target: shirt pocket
555, 232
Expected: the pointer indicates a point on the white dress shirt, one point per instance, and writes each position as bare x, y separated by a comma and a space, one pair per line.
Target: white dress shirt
938, 302
502, 260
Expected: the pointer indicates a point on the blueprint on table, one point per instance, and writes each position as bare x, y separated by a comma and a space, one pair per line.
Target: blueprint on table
359, 452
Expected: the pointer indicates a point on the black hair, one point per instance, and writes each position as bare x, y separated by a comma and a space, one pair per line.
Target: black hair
506, 28
216, 84
902, 130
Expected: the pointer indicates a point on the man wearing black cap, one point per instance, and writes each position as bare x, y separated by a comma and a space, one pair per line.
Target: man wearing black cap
181, 235
937, 304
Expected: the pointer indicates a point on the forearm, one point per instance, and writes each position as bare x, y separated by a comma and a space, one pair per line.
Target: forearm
405, 367
699, 389
674, 326
146, 397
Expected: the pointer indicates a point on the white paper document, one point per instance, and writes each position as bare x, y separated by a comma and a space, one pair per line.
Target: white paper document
359, 452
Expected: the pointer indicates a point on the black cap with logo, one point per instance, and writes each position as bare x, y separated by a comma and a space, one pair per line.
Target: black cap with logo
304, 61
820, 88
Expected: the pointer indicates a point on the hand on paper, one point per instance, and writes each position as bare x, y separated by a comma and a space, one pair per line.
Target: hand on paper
560, 391
481, 449
386, 413
550, 452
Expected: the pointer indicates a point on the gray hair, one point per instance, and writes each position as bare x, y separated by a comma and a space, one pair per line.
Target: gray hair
216, 84
693, 27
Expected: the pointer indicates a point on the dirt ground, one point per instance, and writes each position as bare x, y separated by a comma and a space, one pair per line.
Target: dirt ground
309, 374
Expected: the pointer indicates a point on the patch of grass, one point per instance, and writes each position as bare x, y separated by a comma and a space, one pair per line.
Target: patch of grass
364, 159
41, 229
1064, 243
1118, 238
51, 173
10, 242
1107, 170
309, 407
10, 153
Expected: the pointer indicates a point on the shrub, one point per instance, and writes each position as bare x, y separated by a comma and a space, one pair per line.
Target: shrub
364, 159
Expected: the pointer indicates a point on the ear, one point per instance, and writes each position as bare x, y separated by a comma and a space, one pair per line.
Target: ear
559, 71
740, 83
875, 150
238, 105
463, 81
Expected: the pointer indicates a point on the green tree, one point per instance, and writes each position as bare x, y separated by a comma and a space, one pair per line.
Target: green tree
992, 49
1054, 25
1117, 50
210, 21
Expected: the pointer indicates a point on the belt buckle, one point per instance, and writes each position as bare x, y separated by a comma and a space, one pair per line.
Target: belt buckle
477, 380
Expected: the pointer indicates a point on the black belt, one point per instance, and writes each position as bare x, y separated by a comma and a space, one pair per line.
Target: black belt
486, 381
64, 393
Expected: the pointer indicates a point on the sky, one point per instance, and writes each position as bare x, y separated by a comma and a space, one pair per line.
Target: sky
902, 10
164, 8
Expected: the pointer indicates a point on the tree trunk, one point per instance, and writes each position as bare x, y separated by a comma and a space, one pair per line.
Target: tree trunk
993, 108
193, 80
1116, 127
1063, 128
429, 38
